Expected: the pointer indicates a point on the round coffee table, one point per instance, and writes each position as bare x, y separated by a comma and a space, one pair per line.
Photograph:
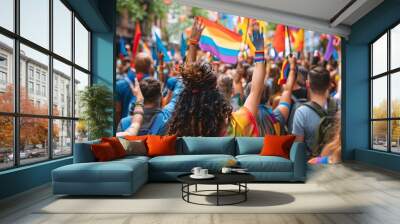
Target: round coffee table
238, 179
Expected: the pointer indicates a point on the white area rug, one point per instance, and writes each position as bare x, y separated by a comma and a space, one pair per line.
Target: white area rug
166, 198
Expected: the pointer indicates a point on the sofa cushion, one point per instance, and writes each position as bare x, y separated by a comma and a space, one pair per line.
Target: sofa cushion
161, 145
134, 147
249, 145
83, 152
112, 171
257, 163
277, 145
103, 152
116, 145
206, 145
185, 163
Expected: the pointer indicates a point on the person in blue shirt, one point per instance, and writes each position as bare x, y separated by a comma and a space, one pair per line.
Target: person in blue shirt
124, 96
155, 117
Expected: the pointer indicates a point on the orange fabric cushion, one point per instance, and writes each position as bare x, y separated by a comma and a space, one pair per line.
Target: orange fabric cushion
116, 145
275, 145
161, 145
135, 138
103, 152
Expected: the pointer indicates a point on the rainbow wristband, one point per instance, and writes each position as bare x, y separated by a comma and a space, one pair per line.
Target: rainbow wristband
259, 57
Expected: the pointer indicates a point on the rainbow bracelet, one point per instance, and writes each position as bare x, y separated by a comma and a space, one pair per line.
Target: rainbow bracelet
259, 57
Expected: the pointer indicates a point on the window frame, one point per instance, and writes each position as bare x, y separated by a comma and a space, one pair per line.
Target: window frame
16, 115
388, 74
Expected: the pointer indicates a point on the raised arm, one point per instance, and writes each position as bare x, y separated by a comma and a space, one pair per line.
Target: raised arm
197, 28
286, 98
137, 117
257, 83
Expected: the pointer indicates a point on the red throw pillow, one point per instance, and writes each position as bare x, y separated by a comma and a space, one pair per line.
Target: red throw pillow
161, 145
275, 145
103, 152
116, 145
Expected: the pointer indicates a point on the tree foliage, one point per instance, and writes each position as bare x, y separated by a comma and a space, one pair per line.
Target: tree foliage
96, 102
379, 128
33, 131
140, 9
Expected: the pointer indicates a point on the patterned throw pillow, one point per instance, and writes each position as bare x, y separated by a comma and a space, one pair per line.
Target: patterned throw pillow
134, 147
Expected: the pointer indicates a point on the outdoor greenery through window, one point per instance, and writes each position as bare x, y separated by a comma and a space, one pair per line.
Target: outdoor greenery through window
44, 64
385, 95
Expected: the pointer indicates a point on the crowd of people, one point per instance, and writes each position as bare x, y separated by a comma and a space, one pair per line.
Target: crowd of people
201, 96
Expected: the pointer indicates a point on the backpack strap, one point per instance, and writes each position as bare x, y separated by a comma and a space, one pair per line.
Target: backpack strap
332, 107
316, 108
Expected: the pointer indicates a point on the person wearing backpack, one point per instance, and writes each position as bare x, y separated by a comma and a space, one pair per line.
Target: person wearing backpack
313, 122
154, 116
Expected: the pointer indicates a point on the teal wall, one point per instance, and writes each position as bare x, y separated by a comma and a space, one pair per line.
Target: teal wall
99, 15
24, 178
356, 85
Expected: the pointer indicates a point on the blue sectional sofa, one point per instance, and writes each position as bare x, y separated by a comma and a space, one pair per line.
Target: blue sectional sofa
125, 176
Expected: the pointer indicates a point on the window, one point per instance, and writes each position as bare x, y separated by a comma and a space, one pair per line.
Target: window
34, 21
62, 75
7, 14
62, 29
30, 87
7, 73
48, 80
30, 72
81, 45
385, 96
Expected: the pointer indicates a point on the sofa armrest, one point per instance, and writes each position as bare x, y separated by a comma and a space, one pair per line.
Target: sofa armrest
298, 157
83, 152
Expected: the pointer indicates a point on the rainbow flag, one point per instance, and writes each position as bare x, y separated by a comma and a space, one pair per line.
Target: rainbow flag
221, 42
284, 72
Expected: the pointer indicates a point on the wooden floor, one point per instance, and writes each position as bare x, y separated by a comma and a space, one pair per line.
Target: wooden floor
379, 189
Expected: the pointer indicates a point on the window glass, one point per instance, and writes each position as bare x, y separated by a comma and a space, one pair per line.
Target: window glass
395, 47
7, 14
34, 21
81, 131
395, 94
6, 74
62, 138
379, 135
379, 56
62, 29
395, 136
62, 90
81, 82
379, 98
33, 140
30, 58
6, 142
81, 45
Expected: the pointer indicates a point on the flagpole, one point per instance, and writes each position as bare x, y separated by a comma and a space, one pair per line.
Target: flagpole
288, 36
245, 37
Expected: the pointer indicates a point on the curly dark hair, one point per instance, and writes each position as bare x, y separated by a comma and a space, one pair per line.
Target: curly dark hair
201, 109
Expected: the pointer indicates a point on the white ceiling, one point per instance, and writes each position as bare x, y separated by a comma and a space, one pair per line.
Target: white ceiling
316, 15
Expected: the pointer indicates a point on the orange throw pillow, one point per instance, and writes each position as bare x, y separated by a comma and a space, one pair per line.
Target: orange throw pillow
116, 145
275, 145
161, 145
103, 152
136, 138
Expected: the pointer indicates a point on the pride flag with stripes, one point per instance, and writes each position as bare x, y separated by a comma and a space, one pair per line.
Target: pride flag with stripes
221, 42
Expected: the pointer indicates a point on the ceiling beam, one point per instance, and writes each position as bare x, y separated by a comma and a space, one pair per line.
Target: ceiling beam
270, 15
346, 12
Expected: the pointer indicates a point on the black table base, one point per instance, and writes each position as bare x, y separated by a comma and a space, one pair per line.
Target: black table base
220, 193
